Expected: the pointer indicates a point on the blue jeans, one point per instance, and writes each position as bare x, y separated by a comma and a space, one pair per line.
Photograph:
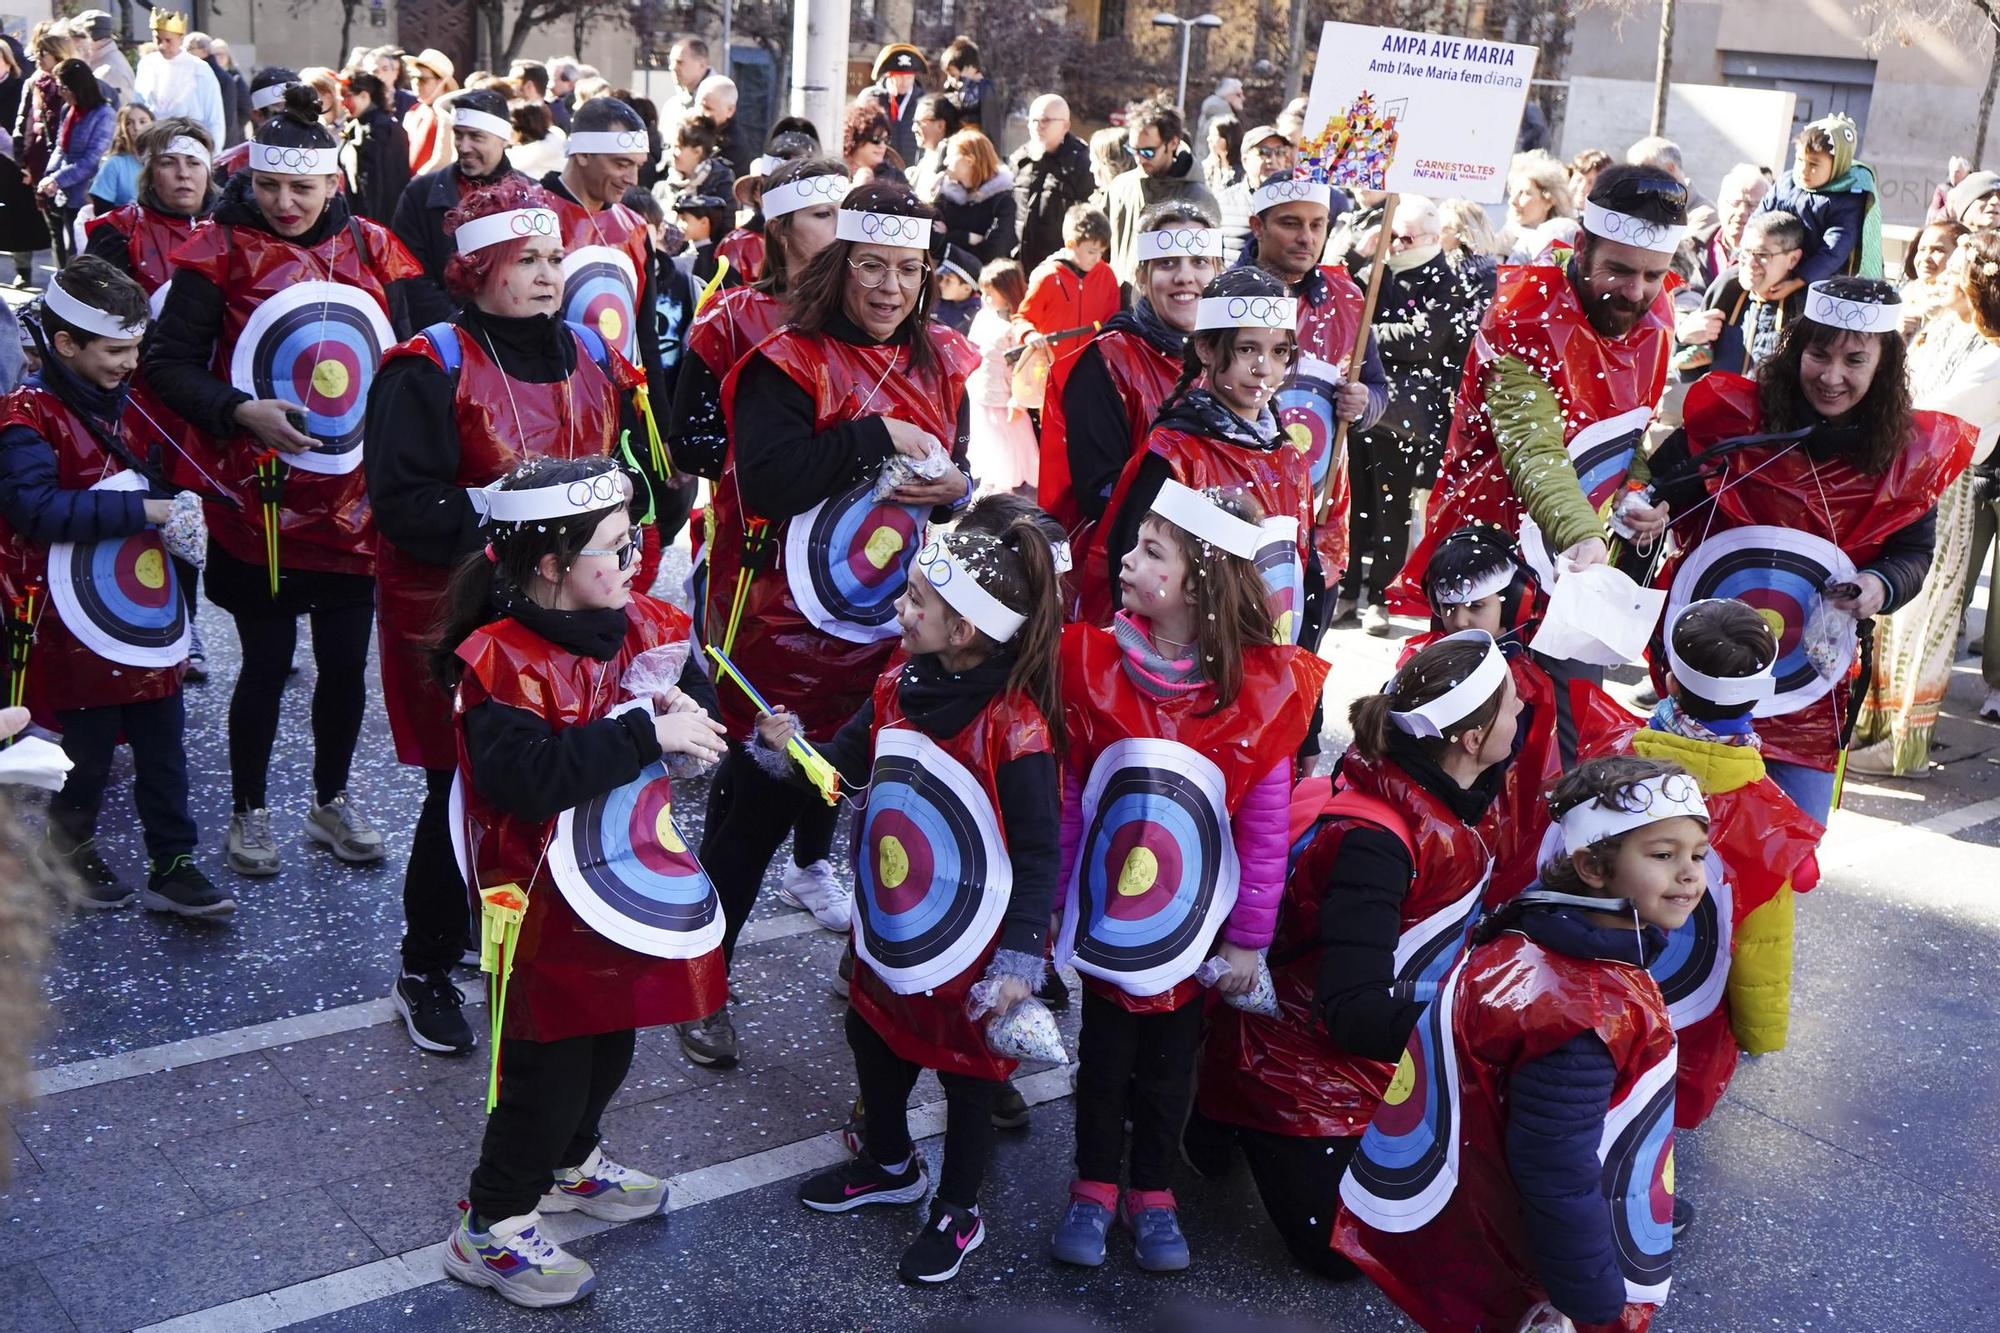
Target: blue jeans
1811, 789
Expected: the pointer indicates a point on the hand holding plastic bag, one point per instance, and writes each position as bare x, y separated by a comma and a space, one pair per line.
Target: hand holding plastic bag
185, 533
1260, 998
900, 470
654, 676
1025, 1032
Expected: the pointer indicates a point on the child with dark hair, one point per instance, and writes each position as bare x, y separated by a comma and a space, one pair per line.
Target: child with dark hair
1072, 289
702, 218
1834, 195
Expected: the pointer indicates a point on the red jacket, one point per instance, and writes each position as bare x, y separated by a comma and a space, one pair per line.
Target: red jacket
1059, 297
151, 237
744, 249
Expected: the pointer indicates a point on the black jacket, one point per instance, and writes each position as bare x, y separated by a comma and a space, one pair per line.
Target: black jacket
235, 103
375, 158
1425, 318
419, 218
981, 220
1046, 187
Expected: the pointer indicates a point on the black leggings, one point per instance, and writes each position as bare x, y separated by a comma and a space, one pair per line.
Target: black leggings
749, 813
436, 912
552, 1094
886, 1079
1378, 516
1137, 1067
340, 651
1299, 1182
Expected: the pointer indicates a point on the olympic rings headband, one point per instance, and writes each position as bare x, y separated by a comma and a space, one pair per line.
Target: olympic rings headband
1180, 243
882, 229
89, 318
512, 225
1060, 553
603, 141
1192, 511
807, 192
1669, 796
1467, 591
472, 118
266, 98
1660, 237
282, 161
1272, 193
182, 146
1246, 312
543, 504
957, 584
1733, 690
1838, 312
1435, 719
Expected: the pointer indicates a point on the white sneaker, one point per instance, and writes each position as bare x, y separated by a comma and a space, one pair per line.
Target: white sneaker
821, 892
1375, 622
520, 1263
796, 877
602, 1188
1990, 710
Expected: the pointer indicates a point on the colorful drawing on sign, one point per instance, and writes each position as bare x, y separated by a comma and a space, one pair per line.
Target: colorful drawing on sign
1356, 148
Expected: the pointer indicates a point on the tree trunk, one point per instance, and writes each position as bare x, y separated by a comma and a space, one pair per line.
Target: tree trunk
1986, 100
1295, 51
1664, 73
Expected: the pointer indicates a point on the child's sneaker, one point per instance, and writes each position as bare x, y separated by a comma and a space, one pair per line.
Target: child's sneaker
843, 972
98, 887
850, 1133
1154, 1219
179, 887
1079, 1237
939, 1249
1010, 1108
860, 1181
1683, 1215
819, 891
516, 1260
602, 1188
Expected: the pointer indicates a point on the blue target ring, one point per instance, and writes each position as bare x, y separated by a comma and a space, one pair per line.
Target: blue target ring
1779, 573
849, 560
129, 589
600, 292
1639, 1185
624, 867
1284, 576
1601, 467
1152, 862
1692, 954
316, 344
1406, 1164
1305, 413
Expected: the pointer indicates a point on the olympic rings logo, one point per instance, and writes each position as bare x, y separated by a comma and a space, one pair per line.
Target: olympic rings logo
273, 158
1263, 310
604, 489
1848, 315
1641, 232
935, 563
1179, 240
532, 222
894, 227
1674, 791
633, 139
1288, 191
824, 189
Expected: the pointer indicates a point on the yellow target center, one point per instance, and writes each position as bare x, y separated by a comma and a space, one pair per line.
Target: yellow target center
1300, 436
1667, 1171
330, 379
150, 569
1775, 621
1283, 632
1139, 873
884, 545
1403, 1083
664, 831
892, 863
612, 325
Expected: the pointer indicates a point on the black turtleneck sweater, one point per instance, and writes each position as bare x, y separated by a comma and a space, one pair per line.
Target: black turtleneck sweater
412, 433
1097, 435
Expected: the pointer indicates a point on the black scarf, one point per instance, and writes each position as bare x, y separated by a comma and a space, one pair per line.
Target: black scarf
594, 633
1199, 412
100, 409
1145, 321
942, 703
1468, 803
535, 349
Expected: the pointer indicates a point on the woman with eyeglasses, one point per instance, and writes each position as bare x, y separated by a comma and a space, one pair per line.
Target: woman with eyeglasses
807, 560
453, 409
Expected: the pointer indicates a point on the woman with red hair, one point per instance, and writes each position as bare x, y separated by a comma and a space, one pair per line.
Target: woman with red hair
456, 407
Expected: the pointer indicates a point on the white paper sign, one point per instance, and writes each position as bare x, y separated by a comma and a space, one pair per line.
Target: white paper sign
1598, 615
1457, 103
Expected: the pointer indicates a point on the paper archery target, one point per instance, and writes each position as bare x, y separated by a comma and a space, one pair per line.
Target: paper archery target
1427, 951
932, 870
1305, 412
1157, 872
1637, 1151
624, 868
1780, 572
1284, 574
1406, 1167
1602, 453
1694, 967
316, 344
120, 597
847, 560
601, 292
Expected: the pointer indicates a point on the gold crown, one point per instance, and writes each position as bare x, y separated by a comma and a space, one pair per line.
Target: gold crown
166, 20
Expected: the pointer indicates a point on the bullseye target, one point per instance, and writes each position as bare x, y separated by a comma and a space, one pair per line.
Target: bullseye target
1693, 969
1406, 1167
1637, 1151
1305, 412
847, 560
1602, 453
1427, 951
316, 344
1284, 574
932, 872
601, 292
1157, 872
120, 597
624, 868
1780, 572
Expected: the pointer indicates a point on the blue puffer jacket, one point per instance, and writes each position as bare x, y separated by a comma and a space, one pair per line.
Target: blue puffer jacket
80, 149
1835, 220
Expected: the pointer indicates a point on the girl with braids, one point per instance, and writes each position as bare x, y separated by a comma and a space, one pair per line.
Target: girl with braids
1217, 429
974, 709
1547, 1060
538, 632
1375, 913
1181, 721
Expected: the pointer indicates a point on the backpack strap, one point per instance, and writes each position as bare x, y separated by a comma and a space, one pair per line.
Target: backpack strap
443, 337
593, 344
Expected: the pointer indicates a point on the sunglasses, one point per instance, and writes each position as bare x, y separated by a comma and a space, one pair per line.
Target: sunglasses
1145, 154
625, 554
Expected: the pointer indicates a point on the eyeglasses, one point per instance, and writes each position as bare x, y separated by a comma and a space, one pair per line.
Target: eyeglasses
878, 139
625, 554
872, 273
1761, 256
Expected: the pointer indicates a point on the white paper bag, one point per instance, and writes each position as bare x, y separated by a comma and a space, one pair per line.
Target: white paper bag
1598, 616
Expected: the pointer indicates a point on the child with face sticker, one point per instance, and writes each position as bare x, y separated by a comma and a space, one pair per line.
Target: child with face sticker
1543, 1075
1182, 721
958, 742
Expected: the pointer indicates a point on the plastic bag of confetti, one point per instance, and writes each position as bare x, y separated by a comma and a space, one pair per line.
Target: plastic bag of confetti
185, 533
1025, 1032
1543, 1317
1830, 639
900, 470
1261, 998
655, 674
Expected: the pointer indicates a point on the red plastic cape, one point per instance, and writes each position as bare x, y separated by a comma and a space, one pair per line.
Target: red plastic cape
569, 981
730, 325
614, 228
151, 237
744, 249
1327, 331
1143, 375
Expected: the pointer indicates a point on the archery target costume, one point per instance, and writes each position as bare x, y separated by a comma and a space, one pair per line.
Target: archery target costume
605, 260
1305, 407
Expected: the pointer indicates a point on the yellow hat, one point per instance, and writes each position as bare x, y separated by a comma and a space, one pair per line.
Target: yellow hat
166, 20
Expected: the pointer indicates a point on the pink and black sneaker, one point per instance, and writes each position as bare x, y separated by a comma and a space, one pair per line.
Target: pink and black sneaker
860, 1181
940, 1248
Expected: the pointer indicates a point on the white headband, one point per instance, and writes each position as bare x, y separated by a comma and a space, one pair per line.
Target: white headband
1660, 237
293, 161
542, 504
1466, 591
1435, 719
472, 118
882, 229
1732, 690
960, 587
1180, 242
806, 192
604, 141
1246, 312
266, 98
1669, 796
513, 224
1823, 307
765, 165
88, 317
182, 146
1272, 193
1188, 509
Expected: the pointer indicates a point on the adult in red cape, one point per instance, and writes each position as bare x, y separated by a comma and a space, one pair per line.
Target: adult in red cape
1842, 512
278, 312
1115, 388
453, 409
806, 561
1376, 911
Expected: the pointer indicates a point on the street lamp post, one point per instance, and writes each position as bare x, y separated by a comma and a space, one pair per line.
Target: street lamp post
1187, 27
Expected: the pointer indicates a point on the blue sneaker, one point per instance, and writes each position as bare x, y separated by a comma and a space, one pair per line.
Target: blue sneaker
516, 1260
1157, 1242
1079, 1237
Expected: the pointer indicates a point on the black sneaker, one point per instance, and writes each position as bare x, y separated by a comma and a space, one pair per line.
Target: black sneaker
1683, 1215
1010, 1108
181, 888
98, 888
939, 1249
1054, 992
859, 1181
434, 1011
